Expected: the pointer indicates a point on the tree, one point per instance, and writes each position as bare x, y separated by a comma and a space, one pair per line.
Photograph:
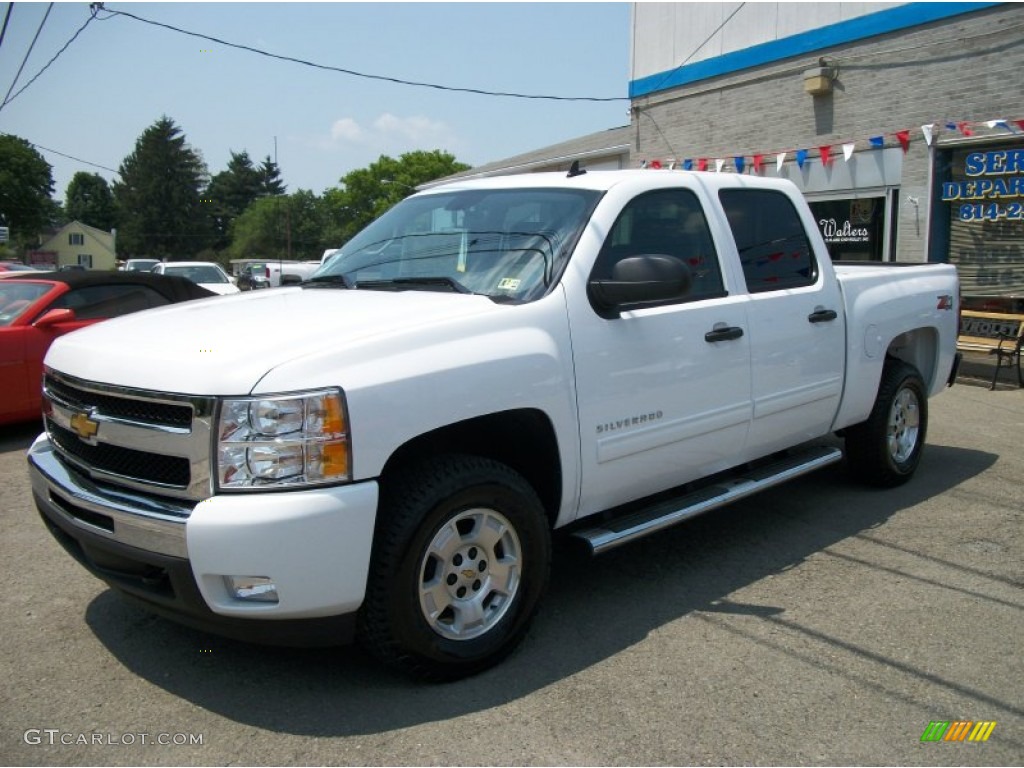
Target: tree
90, 201
368, 192
159, 205
26, 184
270, 177
280, 227
230, 192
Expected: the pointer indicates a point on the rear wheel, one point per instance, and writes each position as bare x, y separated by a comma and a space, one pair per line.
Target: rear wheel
461, 558
885, 450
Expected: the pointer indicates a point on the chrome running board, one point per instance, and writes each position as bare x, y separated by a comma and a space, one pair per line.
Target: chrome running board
611, 533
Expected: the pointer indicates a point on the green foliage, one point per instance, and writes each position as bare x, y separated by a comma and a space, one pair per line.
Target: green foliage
26, 184
230, 192
368, 192
270, 178
158, 198
90, 201
280, 227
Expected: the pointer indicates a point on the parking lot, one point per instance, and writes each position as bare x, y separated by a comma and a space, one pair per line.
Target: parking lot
820, 623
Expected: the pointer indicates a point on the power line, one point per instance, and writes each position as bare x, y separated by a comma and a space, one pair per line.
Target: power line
7, 18
69, 157
28, 53
353, 73
94, 9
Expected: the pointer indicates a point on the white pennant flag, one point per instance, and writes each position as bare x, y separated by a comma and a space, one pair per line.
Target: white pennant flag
779, 160
993, 123
927, 131
719, 164
848, 151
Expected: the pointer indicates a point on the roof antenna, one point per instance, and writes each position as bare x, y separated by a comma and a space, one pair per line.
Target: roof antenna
575, 170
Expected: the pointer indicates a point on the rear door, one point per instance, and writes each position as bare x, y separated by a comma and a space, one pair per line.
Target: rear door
796, 319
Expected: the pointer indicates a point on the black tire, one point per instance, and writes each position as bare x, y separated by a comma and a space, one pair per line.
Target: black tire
885, 450
447, 524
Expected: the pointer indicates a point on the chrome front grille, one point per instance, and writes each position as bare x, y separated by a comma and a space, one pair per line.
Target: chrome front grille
139, 439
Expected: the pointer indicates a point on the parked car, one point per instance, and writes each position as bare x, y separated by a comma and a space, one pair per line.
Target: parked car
13, 267
36, 309
140, 265
205, 273
252, 278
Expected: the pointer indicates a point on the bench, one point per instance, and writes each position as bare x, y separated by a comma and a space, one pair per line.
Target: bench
993, 333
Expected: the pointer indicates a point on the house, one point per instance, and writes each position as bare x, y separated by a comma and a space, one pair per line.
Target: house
77, 244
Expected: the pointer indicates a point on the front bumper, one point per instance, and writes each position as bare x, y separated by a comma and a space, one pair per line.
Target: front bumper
314, 545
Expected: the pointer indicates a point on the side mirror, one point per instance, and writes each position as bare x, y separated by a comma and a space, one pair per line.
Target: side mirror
55, 317
640, 281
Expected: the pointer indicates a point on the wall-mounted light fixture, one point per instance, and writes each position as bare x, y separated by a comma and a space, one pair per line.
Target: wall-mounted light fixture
818, 80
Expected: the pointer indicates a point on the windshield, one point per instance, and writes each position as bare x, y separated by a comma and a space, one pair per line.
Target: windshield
198, 273
506, 244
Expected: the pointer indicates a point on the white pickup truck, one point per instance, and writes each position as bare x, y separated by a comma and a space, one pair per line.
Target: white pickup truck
601, 354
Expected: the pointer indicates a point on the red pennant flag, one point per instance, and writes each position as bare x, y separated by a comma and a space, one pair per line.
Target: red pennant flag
826, 154
964, 128
655, 164
759, 160
1019, 124
904, 137
702, 164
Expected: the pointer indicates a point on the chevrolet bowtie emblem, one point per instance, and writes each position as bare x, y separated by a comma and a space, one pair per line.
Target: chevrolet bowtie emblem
84, 427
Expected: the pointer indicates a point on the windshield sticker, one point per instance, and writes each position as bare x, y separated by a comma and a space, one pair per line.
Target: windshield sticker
509, 284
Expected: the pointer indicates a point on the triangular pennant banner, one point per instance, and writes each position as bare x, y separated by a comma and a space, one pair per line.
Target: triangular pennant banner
719, 164
779, 160
904, 139
655, 164
702, 164
964, 128
740, 163
877, 141
928, 131
688, 164
826, 154
1019, 124
848, 150
758, 162
801, 157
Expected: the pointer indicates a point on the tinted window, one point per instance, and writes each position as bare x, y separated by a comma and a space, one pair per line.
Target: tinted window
670, 222
771, 240
15, 298
105, 301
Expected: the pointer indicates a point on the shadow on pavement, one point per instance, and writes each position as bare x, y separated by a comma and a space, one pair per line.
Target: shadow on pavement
18, 437
595, 609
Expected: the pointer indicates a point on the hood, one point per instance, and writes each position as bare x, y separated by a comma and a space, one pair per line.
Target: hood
225, 345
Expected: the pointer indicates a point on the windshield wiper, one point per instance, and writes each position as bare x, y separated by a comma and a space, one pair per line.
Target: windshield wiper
398, 283
341, 279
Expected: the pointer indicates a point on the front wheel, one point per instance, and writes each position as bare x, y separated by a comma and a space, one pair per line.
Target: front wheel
885, 450
461, 558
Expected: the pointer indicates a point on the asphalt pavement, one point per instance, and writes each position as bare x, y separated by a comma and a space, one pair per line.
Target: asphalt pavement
820, 623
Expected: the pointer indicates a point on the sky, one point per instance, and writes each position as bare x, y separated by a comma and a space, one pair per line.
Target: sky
121, 75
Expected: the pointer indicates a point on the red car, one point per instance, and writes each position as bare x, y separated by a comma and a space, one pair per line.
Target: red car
37, 308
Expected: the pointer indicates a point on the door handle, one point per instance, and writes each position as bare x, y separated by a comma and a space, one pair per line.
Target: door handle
822, 315
723, 334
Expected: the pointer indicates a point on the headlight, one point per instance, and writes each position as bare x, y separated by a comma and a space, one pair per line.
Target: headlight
283, 440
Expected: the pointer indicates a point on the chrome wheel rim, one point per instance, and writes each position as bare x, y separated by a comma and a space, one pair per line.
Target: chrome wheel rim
904, 425
470, 574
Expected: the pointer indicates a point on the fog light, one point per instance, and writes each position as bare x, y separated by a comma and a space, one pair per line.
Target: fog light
257, 589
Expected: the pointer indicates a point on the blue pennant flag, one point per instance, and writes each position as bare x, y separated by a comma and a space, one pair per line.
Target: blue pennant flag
688, 164
877, 141
801, 156
740, 162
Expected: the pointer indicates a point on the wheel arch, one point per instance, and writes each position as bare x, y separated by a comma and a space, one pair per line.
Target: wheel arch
919, 348
523, 439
